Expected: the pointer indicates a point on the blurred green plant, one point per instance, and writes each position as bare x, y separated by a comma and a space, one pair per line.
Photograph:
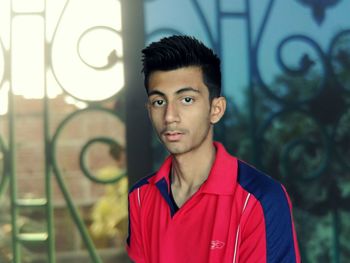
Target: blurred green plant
109, 215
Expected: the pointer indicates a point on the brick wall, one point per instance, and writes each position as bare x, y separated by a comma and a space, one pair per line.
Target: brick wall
30, 157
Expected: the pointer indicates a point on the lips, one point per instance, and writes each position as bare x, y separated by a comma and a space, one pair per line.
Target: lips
173, 136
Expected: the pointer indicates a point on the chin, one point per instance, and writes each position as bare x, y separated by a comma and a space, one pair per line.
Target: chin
177, 149
174, 150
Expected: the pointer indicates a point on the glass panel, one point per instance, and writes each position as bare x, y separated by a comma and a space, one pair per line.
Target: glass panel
27, 6
286, 75
62, 117
28, 60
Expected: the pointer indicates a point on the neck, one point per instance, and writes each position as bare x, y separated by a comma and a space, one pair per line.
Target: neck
189, 170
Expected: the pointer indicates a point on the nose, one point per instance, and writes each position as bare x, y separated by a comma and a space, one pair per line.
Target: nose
171, 114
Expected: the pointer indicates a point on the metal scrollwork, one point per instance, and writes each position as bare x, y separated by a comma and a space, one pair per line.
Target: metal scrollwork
339, 55
319, 8
113, 56
214, 43
84, 166
306, 122
60, 179
84, 150
85, 73
305, 139
306, 64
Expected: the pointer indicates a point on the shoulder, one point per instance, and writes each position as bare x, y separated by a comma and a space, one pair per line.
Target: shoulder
259, 184
268, 192
270, 214
142, 182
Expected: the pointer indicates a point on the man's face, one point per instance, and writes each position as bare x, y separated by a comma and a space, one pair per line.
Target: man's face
179, 108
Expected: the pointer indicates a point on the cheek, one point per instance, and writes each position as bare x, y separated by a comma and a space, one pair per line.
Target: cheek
156, 119
199, 119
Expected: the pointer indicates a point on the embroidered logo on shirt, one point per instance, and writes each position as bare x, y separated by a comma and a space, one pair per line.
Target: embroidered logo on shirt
216, 244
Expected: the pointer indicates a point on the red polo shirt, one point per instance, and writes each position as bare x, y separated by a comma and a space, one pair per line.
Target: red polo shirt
238, 215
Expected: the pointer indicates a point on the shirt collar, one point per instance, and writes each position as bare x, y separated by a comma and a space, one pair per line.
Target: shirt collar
222, 177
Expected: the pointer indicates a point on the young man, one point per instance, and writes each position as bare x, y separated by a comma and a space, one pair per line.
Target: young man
203, 205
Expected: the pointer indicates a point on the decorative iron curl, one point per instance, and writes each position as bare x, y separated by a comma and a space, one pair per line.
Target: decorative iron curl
298, 141
290, 146
319, 8
84, 167
305, 64
85, 147
113, 56
62, 185
336, 39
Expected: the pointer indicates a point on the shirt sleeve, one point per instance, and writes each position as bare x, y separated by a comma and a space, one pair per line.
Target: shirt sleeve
268, 233
134, 242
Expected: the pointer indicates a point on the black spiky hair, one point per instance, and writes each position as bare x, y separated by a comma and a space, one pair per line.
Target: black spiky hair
180, 51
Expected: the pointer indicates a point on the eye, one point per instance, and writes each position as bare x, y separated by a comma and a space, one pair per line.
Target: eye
187, 100
158, 103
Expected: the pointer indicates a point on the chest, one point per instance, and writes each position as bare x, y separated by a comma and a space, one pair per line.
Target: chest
204, 227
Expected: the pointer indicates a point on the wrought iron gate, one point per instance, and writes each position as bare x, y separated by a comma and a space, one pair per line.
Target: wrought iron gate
294, 122
63, 44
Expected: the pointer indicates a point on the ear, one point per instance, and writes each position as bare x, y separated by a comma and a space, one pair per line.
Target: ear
218, 107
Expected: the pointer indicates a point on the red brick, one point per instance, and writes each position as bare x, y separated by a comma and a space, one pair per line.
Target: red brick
30, 185
30, 158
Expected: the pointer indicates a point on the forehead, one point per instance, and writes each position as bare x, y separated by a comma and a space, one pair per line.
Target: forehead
172, 80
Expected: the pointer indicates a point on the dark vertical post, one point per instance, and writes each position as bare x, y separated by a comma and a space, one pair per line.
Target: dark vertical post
138, 128
252, 83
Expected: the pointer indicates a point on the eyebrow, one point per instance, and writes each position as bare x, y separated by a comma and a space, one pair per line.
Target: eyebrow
182, 90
